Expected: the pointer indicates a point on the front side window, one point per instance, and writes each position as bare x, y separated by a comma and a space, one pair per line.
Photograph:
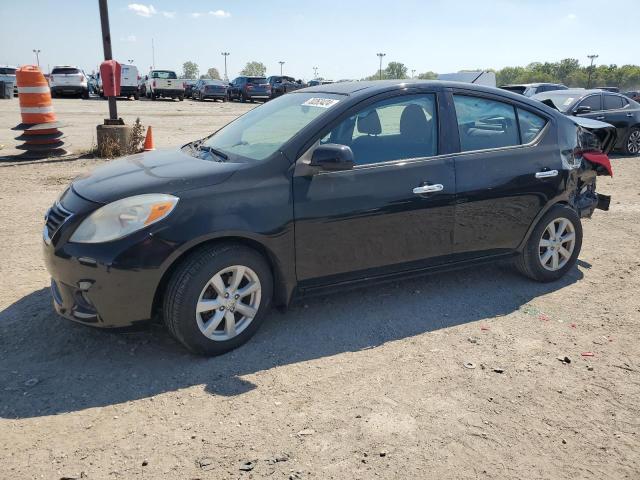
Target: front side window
594, 102
393, 129
484, 124
260, 132
613, 102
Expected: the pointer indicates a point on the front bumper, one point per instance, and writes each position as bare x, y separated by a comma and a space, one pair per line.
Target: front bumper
104, 285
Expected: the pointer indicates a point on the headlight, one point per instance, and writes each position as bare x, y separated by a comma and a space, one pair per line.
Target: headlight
123, 217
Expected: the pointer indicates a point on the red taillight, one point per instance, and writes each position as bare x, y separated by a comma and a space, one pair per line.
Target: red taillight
139, 77
600, 160
154, 84
249, 87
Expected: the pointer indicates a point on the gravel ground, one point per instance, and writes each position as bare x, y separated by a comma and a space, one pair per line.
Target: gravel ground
365, 384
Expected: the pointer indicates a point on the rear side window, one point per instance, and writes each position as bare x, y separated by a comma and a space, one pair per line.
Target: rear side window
64, 71
164, 74
7, 71
613, 102
594, 102
530, 125
484, 123
256, 80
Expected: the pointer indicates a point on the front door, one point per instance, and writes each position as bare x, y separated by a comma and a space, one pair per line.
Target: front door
392, 212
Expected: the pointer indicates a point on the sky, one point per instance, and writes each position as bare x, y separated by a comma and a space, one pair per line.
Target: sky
340, 37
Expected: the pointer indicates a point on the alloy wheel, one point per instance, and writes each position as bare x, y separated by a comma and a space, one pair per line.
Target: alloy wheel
633, 145
228, 303
557, 244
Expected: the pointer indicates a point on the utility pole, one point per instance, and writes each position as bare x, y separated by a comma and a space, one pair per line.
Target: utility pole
37, 52
225, 54
380, 55
592, 58
108, 54
130, 61
413, 73
153, 55
281, 64
315, 72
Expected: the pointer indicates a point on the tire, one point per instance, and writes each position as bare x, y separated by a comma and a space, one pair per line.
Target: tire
632, 142
153, 96
181, 98
530, 261
190, 282
85, 95
136, 96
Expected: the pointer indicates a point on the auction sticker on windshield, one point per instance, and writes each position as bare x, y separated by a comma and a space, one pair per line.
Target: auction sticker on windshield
321, 102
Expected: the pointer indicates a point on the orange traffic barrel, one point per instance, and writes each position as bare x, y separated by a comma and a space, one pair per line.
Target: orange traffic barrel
34, 95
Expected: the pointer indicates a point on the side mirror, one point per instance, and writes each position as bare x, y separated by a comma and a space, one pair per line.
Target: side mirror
582, 109
332, 157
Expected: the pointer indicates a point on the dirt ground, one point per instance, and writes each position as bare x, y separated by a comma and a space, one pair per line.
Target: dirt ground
366, 384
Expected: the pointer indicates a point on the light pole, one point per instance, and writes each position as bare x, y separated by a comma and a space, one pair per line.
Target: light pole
380, 55
130, 61
413, 73
315, 72
37, 52
281, 64
592, 58
225, 55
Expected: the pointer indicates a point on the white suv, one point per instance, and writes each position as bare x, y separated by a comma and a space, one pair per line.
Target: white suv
68, 80
8, 74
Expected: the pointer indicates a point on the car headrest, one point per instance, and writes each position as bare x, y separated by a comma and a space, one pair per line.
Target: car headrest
414, 123
369, 123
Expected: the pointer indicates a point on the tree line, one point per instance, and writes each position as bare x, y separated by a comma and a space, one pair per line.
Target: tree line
567, 71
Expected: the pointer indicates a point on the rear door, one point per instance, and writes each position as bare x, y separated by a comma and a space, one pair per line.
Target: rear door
617, 111
507, 170
392, 212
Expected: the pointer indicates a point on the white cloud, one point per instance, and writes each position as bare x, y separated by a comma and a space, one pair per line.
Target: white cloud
129, 39
196, 15
142, 10
220, 13
169, 14
572, 16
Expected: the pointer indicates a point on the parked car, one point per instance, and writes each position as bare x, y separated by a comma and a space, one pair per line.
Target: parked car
531, 89
613, 108
142, 85
163, 84
609, 89
249, 89
213, 89
317, 81
129, 79
8, 74
68, 80
283, 84
633, 95
188, 87
322, 188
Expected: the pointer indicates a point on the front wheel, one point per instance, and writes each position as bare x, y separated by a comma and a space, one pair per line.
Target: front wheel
553, 247
217, 298
632, 142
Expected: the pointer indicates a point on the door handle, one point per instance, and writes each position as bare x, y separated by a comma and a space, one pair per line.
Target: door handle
600, 118
547, 174
438, 187
629, 114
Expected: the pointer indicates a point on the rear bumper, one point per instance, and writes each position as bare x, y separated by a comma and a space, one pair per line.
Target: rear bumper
128, 90
69, 89
168, 92
214, 95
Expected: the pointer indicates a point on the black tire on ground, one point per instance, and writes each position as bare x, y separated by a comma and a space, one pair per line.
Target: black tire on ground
529, 262
181, 98
153, 96
186, 284
85, 95
136, 96
632, 142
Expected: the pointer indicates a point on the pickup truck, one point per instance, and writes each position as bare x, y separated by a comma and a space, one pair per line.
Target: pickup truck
163, 83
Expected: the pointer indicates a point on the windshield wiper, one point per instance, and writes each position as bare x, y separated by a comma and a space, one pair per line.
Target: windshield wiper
213, 151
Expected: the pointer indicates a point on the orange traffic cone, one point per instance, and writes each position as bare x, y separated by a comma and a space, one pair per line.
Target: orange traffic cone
148, 140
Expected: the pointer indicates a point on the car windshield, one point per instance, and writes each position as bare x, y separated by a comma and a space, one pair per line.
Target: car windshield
256, 80
265, 129
164, 74
65, 71
560, 98
515, 88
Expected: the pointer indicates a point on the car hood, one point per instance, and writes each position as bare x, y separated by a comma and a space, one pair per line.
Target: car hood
165, 171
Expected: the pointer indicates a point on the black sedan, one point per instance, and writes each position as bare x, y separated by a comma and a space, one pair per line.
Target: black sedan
283, 84
209, 89
322, 188
614, 108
